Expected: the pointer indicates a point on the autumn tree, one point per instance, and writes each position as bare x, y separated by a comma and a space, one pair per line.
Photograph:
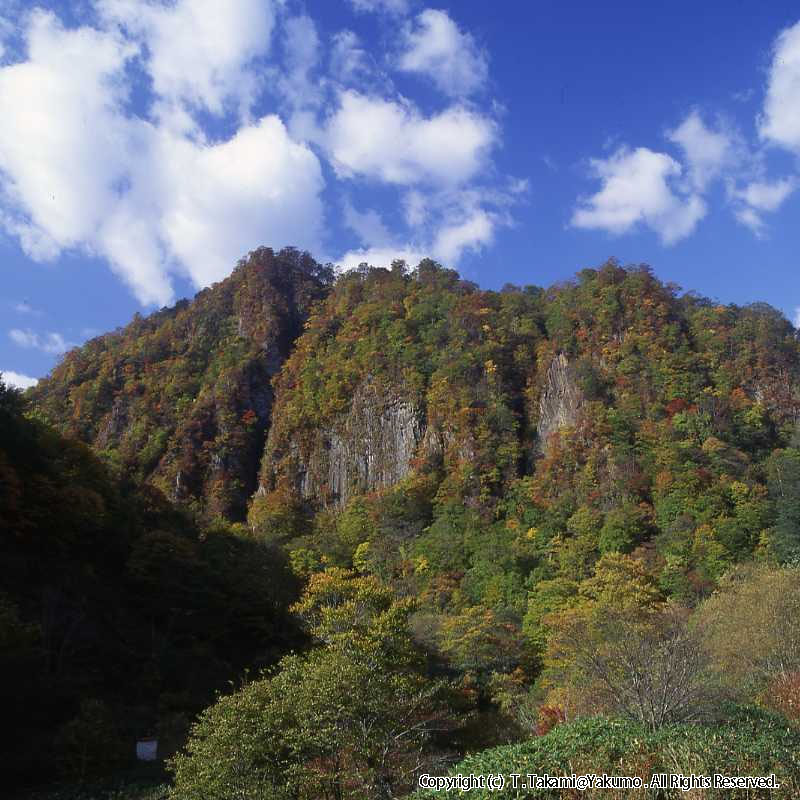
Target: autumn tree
620, 649
752, 625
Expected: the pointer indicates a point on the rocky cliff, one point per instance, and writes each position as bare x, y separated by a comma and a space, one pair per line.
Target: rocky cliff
281, 379
369, 447
560, 401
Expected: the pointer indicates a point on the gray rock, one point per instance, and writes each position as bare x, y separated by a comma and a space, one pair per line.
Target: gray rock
370, 448
560, 401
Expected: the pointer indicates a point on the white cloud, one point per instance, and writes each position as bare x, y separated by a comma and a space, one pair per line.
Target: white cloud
105, 145
472, 233
349, 60
60, 133
637, 189
151, 197
368, 225
198, 51
445, 225
707, 152
780, 120
53, 343
386, 6
767, 196
26, 308
259, 186
437, 48
380, 257
415, 207
17, 379
302, 53
392, 142
758, 197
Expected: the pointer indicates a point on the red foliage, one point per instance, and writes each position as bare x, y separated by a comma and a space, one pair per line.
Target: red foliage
675, 406
783, 695
549, 717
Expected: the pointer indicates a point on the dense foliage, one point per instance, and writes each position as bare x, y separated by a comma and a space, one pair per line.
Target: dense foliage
672, 441
586, 490
119, 616
182, 398
749, 742
349, 719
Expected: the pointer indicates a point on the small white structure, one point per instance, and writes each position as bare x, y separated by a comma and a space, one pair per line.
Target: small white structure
147, 749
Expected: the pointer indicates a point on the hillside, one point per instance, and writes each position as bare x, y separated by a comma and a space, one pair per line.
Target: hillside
516, 470
498, 438
119, 615
182, 398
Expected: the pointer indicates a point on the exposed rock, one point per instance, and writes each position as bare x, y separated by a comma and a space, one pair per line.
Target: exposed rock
110, 433
560, 401
371, 447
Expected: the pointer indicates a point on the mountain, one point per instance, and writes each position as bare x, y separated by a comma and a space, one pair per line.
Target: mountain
495, 460
610, 405
182, 399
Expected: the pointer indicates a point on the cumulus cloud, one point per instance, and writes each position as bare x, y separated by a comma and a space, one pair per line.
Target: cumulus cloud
472, 233
380, 256
198, 51
393, 142
780, 120
707, 152
758, 197
435, 47
17, 379
639, 187
149, 196
141, 138
53, 343
446, 224
768, 196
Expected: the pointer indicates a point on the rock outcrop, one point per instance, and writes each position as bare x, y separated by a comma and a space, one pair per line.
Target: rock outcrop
559, 402
183, 399
370, 447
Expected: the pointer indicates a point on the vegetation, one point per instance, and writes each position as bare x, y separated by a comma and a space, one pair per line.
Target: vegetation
551, 530
119, 616
182, 398
749, 742
351, 718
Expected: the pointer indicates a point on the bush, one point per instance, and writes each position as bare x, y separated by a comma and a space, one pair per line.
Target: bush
749, 742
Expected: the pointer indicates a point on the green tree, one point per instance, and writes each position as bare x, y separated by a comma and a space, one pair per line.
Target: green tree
350, 719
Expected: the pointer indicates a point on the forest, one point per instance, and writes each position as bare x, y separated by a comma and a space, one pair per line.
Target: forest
321, 535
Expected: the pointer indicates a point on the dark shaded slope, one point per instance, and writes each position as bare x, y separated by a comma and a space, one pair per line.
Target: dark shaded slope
110, 596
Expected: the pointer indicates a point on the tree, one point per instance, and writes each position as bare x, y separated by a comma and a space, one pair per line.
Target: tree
351, 718
752, 625
621, 650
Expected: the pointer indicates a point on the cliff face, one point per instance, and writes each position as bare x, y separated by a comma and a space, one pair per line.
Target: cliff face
183, 398
560, 401
398, 372
370, 447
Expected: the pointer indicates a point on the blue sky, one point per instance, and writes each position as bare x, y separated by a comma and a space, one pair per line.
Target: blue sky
146, 146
